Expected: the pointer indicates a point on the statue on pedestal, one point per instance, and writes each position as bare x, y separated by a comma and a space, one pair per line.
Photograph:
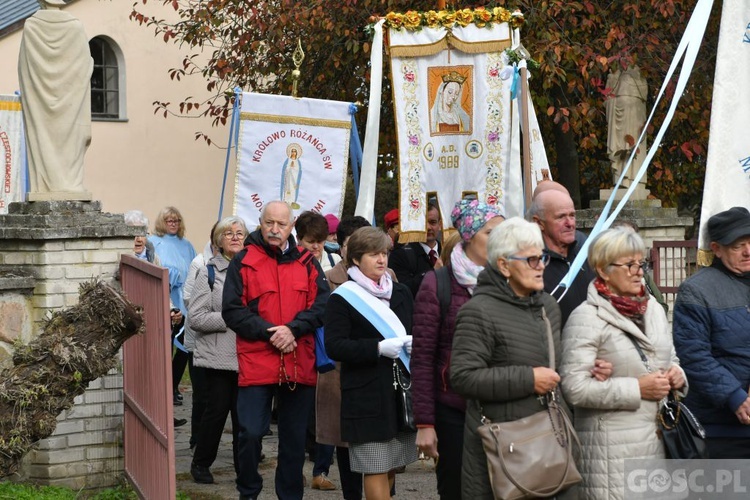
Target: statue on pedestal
54, 71
626, 115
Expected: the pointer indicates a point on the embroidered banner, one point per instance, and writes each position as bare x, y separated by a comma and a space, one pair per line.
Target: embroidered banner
12, 149
727, 182
457, 115
294, 150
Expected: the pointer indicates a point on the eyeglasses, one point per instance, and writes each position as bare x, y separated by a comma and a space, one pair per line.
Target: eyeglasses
532, 261
230, 235
173, 221
633, 267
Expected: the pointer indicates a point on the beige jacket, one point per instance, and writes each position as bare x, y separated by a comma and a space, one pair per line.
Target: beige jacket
611, 419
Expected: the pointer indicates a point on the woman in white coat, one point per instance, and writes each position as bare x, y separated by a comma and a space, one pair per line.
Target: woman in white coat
616, 418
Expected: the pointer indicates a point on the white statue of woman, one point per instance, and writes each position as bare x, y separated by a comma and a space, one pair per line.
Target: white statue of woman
626, 115
447, 116
291, 175
54, 71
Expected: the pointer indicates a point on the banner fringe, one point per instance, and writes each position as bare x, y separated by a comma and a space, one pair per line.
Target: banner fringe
453, 42
704, 258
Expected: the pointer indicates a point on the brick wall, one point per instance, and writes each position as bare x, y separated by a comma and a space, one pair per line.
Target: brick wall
56, 246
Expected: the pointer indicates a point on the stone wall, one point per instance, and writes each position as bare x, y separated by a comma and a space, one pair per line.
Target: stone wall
49, 249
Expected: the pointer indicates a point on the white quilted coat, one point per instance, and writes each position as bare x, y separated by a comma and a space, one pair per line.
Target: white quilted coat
612, 421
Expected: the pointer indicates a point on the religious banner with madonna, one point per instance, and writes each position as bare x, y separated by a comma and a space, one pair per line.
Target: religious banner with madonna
454, 88
12, 151
291, 149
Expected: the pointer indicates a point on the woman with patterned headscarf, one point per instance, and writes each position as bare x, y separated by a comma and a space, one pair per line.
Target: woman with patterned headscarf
439, 412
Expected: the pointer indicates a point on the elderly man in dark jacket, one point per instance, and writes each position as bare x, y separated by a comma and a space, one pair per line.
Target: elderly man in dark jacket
712, 336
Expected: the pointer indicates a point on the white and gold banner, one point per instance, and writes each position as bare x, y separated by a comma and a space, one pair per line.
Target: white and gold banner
295, 150
727, 181
456, 122
12, 150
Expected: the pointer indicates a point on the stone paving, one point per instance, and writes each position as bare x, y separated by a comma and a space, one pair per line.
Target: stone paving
417, 483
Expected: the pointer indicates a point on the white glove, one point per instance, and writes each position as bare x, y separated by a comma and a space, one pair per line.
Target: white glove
407, 344
390, 348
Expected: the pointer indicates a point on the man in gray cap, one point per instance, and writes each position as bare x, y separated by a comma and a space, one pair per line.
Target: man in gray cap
712, 336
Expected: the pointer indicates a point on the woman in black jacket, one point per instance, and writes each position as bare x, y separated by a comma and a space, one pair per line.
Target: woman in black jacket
372, 360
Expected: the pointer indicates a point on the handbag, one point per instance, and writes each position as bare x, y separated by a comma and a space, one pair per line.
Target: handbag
322, 362
531, 457
684, 437
404, 408
682, 434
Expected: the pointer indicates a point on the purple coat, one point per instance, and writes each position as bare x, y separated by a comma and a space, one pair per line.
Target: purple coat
431, 349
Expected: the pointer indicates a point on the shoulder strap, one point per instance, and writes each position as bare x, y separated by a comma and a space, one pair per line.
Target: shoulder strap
330, 259
211, 275
550, 340
443, 281
640, 352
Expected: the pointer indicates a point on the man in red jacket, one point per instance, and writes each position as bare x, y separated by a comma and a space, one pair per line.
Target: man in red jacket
274, 298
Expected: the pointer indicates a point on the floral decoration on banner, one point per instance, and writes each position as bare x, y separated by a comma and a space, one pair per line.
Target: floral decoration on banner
494, 181
414, 133
481, 17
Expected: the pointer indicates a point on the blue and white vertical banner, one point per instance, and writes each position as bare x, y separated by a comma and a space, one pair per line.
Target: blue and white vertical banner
291, 149
12, 152
727, 181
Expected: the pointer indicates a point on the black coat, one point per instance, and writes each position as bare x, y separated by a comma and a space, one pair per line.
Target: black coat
368, 403
411, 263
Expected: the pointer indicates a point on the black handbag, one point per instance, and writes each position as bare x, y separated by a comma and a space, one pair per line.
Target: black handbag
684, 437
682, 434
402, 391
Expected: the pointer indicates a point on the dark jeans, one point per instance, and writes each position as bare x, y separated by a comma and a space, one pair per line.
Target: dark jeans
323, 458
351, 482
254, 416
222, 401
200, 395
728, 447
449, 427
179, 360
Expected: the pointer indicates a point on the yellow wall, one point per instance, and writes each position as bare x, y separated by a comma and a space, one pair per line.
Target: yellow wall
148, 161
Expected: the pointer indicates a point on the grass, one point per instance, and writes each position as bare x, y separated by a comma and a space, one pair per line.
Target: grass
21, 491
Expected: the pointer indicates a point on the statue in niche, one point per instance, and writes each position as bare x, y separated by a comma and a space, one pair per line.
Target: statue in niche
626, 115
54, 72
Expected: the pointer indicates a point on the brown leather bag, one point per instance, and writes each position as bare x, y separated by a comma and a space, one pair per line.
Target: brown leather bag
531, 457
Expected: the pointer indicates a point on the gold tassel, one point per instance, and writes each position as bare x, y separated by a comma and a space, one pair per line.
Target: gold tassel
704, 258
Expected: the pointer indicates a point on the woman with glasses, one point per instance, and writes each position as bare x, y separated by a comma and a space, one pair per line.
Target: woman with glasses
175, 253
438, 410
215, 348
500, 358
620, 323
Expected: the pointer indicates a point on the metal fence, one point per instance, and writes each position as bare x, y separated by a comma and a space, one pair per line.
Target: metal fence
147, 374
673, 263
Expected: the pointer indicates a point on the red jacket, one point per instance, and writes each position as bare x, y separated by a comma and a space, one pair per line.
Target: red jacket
265, 288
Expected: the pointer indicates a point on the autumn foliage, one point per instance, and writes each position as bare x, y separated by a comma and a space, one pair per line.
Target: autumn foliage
233, 43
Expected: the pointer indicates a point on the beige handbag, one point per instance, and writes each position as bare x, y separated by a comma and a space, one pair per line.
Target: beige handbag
531, 457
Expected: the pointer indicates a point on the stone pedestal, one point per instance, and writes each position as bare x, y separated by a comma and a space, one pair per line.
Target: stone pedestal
639, 193
655, 222
47, 249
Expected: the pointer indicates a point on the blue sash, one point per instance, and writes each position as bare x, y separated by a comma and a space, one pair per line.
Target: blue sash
380, 316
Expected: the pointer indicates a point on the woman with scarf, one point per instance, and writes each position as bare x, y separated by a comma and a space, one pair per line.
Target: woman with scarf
621, 323
438, 411
373, 359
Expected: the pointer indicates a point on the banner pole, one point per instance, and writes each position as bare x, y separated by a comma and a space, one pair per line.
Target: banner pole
526, 134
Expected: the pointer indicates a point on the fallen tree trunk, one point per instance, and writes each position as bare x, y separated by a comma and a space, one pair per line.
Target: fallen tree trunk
77, 345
